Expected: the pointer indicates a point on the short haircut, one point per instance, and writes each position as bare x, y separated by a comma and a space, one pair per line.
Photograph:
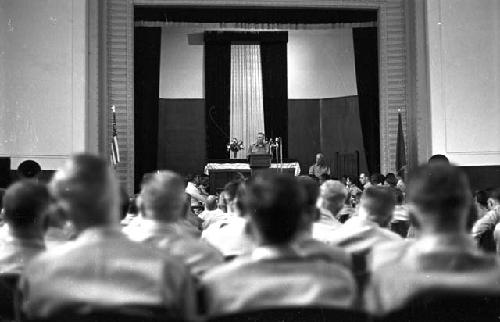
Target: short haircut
25, 202
84, 183
481, 197
495, 194
28, 169
164, 195
379, 201
391, 179
377, 178
333, 191
211, 203
231, 188
439, 158
275, 202
311, 189
439, 189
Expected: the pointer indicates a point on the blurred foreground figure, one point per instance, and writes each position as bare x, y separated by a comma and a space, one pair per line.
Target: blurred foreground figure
162, 206
443, 257
275, 274
24, 205
101, 269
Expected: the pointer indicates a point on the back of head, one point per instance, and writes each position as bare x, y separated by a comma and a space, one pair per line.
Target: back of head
211, 203
441, 196
163, 196
377, 178
482, 196
311, 189
28, 169
231, 189
274, 203
439, 159
378, 203
87, 191
332, 195
391, 179
24, 204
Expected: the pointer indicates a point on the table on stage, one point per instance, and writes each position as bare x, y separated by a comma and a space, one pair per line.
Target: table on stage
223, 171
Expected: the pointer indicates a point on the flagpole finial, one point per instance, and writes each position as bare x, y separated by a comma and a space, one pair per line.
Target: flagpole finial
113, 108
399, 109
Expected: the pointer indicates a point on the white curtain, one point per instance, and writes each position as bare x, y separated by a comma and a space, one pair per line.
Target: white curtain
246, 104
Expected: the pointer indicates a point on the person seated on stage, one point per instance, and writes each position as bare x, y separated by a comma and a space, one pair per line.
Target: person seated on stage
230, 235
102, 268
308, 246
332, 196
275, 274
163, 201
25, 203
443, 256
212, 213
361, 233
260, 146
320, 167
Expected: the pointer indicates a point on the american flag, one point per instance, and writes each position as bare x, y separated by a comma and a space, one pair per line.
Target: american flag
115, 150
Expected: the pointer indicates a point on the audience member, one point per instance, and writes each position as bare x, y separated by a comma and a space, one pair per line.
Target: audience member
101, 268
196, 196
364, 181
443, 257
307, 245
487, 223
365, 231
481, 202
332, 196
163, 201
401, 174
212, 213
230, 235
391, 180
274, 274
439, 159
29, 169
377, 179
25, 203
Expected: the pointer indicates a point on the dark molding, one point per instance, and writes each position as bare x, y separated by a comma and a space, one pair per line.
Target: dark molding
245, 36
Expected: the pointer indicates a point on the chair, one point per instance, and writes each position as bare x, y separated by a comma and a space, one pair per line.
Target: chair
292, 314
117, 314
442, 306
8, 285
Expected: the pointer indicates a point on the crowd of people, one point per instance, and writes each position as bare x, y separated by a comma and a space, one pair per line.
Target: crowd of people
367, 244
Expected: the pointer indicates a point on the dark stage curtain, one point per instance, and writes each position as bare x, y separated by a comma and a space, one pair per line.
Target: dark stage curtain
275, 88
366, 62
147, 44
217, 94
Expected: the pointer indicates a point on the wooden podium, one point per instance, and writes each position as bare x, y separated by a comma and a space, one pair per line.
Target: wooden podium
259, 162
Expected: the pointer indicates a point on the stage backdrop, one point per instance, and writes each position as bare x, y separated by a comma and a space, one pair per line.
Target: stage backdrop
323, 113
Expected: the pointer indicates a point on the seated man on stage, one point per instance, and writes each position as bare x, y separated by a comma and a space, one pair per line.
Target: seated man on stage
259, 147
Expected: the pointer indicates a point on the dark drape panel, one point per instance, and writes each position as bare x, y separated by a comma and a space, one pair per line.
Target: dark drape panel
366, 62
275, 89
217, 94
181, 135
341, 129
147, 46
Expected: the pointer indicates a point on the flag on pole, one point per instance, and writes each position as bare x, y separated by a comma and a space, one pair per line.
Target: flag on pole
115, 150
400, 145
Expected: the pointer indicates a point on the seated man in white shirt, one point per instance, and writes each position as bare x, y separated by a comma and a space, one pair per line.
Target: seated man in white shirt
332, 196
101, 269
212, 213
307, 246
361, 233
163, 201
443, 257
275, 274
24, 205
230, 234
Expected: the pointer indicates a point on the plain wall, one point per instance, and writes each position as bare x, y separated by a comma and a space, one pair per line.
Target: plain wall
43, 53
320, 63
464, 75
